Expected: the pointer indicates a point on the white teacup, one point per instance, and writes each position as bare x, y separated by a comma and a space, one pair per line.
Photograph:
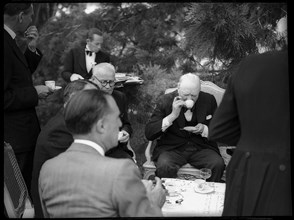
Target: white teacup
189, 103
50, 84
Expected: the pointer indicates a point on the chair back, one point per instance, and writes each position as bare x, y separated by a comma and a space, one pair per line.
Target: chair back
15, 190
208, 87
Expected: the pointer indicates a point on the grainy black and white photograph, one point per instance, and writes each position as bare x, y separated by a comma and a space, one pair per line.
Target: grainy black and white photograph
146, 109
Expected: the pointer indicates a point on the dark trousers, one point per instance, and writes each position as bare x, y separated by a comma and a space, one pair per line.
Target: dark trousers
25, 162
169, 162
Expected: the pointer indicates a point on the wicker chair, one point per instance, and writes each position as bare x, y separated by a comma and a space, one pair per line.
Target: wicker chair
186, 170
16, 199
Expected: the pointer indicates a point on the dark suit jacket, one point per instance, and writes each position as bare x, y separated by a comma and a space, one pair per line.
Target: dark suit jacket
21, 125
75, 62
254, 115
121, 101
173, 137
53, 140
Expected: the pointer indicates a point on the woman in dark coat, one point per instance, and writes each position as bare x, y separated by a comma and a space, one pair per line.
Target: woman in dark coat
255, 117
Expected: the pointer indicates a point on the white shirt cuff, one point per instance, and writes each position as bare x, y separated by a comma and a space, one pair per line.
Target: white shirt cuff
165, 124
205, 131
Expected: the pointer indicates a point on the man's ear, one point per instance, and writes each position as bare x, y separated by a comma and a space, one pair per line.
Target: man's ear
88, 40
100, 126
20, 15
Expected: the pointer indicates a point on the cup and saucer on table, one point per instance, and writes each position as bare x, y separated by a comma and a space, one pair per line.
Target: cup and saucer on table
51, 85
203, 187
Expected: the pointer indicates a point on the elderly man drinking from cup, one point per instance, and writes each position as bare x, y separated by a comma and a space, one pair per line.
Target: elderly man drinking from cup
181, 120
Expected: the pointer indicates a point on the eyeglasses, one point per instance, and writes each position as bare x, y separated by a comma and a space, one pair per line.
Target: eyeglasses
105, 82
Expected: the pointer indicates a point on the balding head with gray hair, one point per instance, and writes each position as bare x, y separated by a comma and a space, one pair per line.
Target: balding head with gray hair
104, 72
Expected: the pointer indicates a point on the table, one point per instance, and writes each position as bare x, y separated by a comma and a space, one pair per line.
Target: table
193, 203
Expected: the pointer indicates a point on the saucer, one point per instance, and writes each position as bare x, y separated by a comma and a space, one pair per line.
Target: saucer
189, 128
203, 188
57, 87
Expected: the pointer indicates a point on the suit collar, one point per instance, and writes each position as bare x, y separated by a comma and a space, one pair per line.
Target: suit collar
83, 148
91, 144
9, 31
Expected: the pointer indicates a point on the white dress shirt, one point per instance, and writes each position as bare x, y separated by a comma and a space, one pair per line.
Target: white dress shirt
91, 144
90, 60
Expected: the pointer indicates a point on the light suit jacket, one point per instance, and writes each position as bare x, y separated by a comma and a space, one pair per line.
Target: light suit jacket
82, 183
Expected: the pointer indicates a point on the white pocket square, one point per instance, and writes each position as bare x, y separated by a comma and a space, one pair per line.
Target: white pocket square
208, 117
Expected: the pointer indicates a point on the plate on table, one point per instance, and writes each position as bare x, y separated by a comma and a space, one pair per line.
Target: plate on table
203, 188
135, 79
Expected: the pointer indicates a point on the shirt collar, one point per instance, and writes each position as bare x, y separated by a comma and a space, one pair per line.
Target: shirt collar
91, 144
87, 48
10, 32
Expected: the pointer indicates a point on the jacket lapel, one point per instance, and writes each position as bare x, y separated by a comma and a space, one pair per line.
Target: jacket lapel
82, 58
16, 49
200, 110
181, 119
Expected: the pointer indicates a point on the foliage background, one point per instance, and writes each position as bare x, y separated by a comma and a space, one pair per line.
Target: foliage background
158, 42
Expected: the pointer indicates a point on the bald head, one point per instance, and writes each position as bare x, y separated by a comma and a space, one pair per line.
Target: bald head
104, 76
189, 86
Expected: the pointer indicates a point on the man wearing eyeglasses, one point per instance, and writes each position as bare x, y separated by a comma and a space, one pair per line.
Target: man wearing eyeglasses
80, 60
104, 77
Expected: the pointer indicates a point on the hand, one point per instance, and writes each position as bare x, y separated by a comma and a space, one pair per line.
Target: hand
177, 106
155, 194
75, 76
147, 183
32, 36
43, 91
198, 129
125, 138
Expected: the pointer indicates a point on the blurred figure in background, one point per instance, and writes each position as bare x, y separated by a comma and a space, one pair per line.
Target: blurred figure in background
21, 125
79, 61
82, 182
104, 78
254, 116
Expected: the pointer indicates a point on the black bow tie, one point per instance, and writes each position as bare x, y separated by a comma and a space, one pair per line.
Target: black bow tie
88, 52
186, 109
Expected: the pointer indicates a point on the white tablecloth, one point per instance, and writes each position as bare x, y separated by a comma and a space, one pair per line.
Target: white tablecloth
194, 204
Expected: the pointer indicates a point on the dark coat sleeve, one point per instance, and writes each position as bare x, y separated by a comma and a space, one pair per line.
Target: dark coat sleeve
225, 125
124, 117
121, 101
154, 125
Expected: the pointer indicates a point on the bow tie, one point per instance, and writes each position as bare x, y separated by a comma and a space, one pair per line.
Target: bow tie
185, 109
88, 52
